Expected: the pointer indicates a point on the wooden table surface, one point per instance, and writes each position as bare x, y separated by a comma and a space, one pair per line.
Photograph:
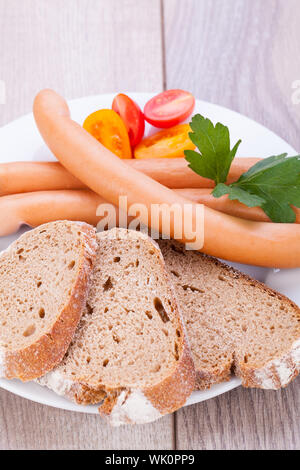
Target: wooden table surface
243, 54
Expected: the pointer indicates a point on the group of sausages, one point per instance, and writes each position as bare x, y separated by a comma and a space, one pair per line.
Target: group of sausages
88, 174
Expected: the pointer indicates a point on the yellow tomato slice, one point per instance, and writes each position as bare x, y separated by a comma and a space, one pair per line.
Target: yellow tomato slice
168, 143
109, 129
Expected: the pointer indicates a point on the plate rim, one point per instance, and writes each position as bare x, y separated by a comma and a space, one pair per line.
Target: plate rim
234, 382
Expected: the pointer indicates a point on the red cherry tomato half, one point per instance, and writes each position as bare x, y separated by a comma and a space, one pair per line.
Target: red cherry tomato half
132, 117
169, 108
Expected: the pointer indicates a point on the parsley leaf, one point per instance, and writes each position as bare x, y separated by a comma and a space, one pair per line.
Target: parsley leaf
236, 193
272, 184
274, 181
213, 142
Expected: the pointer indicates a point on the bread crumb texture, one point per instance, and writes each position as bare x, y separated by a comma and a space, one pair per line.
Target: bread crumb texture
130, 347
44, 280
234, 323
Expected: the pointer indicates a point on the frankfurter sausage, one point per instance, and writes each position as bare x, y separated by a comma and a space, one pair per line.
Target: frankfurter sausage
40, 207
37, 208
224, 204
24, 177
227, 237
175, 173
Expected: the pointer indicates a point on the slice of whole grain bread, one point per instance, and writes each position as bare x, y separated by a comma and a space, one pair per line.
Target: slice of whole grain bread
130, 349
234, 323
44, 281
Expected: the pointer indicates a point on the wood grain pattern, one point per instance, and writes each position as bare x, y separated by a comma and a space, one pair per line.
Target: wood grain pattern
242, 420
242, 54
78, 47
28, 425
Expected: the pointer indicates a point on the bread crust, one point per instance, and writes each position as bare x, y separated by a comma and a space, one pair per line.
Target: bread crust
161, 398
272, 374
165, 397
170, 394
206, 378
275, 374
43, 355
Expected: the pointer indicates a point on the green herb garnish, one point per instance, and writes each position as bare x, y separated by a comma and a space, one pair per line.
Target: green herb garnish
272, 184
213, 143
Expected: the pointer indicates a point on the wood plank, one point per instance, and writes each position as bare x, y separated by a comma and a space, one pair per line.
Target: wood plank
28, 425
243, 54
242, 420
78, 47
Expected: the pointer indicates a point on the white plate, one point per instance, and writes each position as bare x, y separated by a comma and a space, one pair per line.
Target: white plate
20, 141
